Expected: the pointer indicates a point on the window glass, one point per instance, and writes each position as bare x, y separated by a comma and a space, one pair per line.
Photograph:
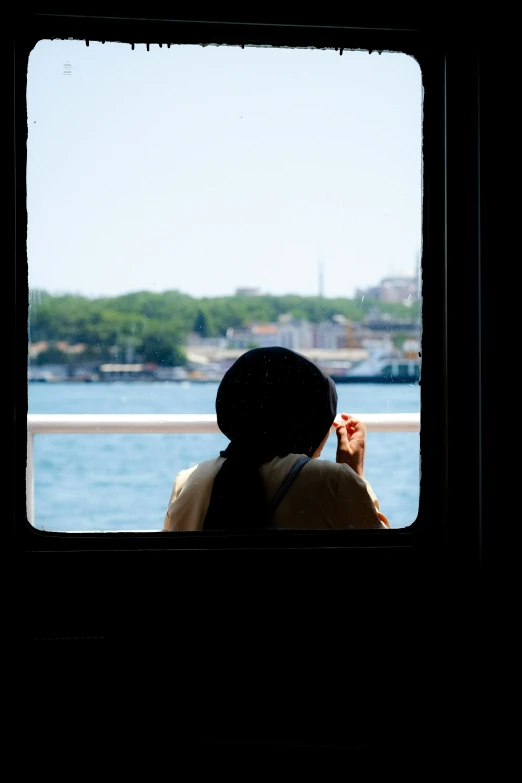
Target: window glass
187, 203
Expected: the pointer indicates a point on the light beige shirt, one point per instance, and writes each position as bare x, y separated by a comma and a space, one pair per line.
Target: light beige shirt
323, 495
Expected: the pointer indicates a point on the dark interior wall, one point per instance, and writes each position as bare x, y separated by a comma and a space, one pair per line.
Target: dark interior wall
318, 642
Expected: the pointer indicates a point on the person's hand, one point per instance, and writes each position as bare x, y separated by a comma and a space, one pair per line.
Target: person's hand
351, 442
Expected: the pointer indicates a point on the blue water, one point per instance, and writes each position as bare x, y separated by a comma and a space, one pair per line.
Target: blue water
123, 482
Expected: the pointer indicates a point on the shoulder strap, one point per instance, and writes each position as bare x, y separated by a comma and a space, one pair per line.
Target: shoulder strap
285, 484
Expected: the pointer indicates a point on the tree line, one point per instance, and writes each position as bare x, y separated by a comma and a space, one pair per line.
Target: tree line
154, 326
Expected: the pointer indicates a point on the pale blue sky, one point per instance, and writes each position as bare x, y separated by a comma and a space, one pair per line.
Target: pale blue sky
204, 169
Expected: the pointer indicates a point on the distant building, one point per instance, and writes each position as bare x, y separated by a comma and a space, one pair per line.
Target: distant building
397, 290
248, 292
36, 348
61, 345
411, 349
261, 335
239, 338
265, 335
51, 372
297, 335
386, 323
170, 374
401, 290
330, 335
127, 372
194, 338
65, 347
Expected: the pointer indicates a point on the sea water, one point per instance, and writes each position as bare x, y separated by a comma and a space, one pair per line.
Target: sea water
109, 482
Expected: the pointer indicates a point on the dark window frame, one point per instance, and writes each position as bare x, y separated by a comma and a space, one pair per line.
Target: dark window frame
448, 524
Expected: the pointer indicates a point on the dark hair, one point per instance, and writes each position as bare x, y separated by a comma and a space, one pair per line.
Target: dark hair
271, 402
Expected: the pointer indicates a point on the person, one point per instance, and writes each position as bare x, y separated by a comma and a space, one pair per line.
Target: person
278, 408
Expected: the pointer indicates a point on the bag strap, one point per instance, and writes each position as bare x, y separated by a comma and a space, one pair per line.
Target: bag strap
285, 484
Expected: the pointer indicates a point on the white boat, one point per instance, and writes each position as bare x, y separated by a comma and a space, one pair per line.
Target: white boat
382, 366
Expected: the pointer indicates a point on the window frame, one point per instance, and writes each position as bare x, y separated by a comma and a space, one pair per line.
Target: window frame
450, 269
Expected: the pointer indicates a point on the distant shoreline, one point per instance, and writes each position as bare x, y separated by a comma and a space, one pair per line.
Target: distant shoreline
412, 380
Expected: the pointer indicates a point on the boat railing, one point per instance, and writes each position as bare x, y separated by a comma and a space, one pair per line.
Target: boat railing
154, 423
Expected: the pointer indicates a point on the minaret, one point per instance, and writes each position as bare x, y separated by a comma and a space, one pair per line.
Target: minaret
321, 290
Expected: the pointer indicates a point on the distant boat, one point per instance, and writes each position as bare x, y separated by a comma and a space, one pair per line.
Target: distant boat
40, 376
381, 366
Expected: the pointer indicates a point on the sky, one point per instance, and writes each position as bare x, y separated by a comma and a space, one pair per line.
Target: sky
207, 169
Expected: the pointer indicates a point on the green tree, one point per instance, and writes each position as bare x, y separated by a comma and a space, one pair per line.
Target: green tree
162, 350
201, 324
138, 317
51, 356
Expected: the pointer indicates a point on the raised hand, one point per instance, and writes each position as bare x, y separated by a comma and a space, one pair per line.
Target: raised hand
351, 442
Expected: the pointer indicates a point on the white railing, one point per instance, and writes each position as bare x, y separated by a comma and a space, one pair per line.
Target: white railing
174, 423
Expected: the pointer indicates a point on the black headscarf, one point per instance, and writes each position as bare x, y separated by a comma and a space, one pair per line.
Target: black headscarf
271, 402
